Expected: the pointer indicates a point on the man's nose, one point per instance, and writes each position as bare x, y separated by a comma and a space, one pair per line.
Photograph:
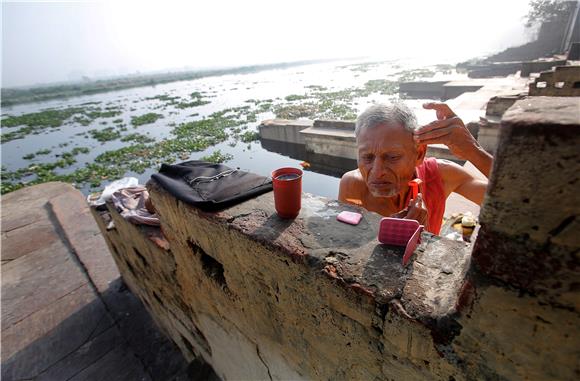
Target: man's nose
380, 167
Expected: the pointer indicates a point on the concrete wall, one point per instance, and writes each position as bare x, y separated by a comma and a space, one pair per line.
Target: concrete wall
262, 298
537, 66
332, 145
284, 130
488, 136
563, 81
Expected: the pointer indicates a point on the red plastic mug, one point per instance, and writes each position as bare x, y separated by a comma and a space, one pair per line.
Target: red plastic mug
287, 184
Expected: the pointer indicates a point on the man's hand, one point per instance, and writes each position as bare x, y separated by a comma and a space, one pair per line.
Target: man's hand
448, 129
417, 210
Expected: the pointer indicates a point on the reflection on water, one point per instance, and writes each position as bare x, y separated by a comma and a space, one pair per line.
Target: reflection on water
323, 164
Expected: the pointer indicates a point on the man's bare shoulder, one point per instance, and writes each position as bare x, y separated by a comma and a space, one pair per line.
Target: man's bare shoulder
351, 185
454, 175
352, 177
447, 167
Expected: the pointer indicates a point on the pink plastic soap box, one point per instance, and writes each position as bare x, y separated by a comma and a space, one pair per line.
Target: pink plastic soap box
400, 232
349, 217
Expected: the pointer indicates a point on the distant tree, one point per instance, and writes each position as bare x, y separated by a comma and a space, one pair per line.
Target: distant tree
548, 10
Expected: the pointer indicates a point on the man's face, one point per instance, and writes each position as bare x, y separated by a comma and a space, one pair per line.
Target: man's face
387, 156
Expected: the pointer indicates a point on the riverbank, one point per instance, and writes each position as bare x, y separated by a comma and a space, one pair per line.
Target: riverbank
13, 96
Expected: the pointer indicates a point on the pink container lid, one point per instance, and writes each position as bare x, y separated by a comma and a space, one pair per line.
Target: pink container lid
400, 232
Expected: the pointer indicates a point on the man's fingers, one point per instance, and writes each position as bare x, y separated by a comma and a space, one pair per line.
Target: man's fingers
415, 207
417, 214
434, 134
438, 124
440, 140
442, 109
401, 214
413, 214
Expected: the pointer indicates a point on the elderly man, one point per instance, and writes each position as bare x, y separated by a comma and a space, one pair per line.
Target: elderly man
391, 152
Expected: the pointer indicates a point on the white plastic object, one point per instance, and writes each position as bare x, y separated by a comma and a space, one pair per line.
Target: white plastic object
125, 182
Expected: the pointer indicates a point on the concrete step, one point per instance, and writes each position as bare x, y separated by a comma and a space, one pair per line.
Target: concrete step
65, 311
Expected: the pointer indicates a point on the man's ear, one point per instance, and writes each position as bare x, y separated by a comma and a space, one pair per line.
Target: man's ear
421, 152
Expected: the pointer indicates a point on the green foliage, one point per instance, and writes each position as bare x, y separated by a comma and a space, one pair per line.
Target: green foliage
45, 118
249, 136
303, 110
548, 10
295, 97
164, 98
381, 86
138, 138
195, 103
217, 157
37, 122
316, 87
105, 135
148, 118
411, 75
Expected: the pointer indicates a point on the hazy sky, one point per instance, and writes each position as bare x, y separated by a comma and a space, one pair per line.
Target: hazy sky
59, 41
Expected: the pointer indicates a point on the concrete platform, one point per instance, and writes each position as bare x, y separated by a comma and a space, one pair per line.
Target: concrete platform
66, 314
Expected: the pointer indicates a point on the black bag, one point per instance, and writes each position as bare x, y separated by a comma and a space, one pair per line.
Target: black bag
208, 186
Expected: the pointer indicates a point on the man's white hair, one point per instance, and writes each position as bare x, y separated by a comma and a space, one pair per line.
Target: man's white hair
381, 113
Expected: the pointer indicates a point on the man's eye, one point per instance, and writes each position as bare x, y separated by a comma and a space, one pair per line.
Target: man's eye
368, 158
393, 157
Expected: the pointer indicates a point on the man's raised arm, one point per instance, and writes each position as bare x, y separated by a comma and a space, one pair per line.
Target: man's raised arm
448, 129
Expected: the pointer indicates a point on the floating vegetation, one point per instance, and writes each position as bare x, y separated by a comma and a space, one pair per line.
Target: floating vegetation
41, 172
37, 122
137, 138
163, 98
148, 118
411, 75
334, 104
217, 157
195, 103
316, 87
105, 135
29, 156
296, 97
304, 110
196, 100
43, 152
381, 86
45, 118
363, 68
445, 68
250, 136
75, 151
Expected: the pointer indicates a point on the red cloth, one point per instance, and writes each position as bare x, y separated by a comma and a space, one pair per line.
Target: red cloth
433, 193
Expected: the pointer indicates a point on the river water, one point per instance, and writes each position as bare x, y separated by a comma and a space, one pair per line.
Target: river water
226, 91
